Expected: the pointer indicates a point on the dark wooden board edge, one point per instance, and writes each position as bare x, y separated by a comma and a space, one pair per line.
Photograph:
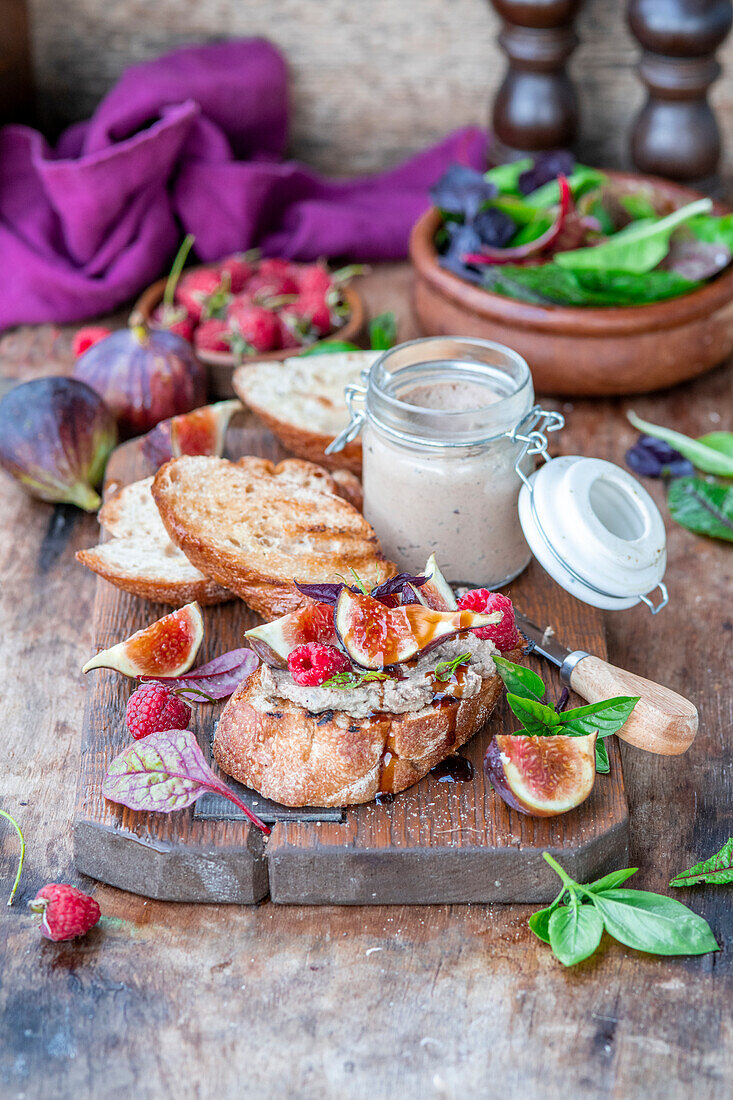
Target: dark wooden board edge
446, 876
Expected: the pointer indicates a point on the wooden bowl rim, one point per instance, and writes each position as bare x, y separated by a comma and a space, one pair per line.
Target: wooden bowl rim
153, 295
573, 320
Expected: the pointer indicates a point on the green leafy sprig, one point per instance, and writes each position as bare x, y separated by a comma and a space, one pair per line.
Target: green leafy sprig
573, 924
716, 871
445, 669
344, 681
525, 695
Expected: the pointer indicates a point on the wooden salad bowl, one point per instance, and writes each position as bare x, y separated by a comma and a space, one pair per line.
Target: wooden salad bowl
583, 351
221, 364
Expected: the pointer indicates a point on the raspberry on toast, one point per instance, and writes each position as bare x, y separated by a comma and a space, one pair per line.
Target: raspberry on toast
254, 530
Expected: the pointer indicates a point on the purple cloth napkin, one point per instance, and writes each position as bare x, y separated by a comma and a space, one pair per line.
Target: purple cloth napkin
190, 143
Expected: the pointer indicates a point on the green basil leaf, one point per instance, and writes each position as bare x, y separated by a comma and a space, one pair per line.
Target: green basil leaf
711, 460
611, 881
713, 230
638, 248
383, 331
549, 284
702, 507
580, 180
603, 764
606, 716
539, 922
651, 922
717, 871
520, 680
330, 347
539, 720
719, 441
575, 931
505, 177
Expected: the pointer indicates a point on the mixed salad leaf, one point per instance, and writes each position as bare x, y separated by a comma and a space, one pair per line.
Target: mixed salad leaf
550, 231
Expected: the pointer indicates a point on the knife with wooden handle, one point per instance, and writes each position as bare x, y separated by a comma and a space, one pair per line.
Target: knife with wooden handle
662, 721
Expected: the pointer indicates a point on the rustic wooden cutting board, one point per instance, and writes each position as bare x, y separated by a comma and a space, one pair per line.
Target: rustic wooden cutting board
436, 842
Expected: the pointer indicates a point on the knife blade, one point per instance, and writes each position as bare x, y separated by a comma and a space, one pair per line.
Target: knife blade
544, 643
662, 721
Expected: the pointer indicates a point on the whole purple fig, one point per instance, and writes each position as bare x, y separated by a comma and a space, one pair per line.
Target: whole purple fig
143, 376
56, 435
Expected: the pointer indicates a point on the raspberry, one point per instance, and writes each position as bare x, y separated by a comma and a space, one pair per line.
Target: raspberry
209, 336
503, 634
85, 338
313, 663
257, 326
67, 912
154, 707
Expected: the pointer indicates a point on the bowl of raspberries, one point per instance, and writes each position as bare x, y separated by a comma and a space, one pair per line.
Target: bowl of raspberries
248, 307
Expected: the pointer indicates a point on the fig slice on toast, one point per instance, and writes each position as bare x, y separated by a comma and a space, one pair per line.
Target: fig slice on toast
167, 647
542, 776
374, 635
273, 642
436, 592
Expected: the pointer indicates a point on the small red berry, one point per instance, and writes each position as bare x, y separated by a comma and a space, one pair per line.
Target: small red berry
273, 265
314, 279
311, 312
196, 287
257, 326
210, 335
86, 338
239, 271
263, 286
154, 707
503, 634
313, 663
174, 319
67, 912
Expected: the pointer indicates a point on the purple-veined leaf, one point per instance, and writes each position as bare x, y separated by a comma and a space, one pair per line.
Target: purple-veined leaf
326, 592
217, 679
695, 259
393, 585
164, 772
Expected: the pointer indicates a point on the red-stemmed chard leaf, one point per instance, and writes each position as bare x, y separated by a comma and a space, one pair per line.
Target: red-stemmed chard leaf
531, 248
214, 680
164, 772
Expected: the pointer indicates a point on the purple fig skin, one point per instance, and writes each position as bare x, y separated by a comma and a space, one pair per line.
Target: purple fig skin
542, 805
56, 435
495, 774
143, 376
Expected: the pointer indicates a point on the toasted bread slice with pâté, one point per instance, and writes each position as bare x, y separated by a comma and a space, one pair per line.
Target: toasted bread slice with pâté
301, 400
140, 558
299, 758
256, 534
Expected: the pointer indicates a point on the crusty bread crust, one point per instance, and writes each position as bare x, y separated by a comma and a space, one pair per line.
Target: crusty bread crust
254, 534
299, 758
139, 557
301, 400
173, 593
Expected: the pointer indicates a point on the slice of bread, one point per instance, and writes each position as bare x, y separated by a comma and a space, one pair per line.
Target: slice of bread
301, 400
140, 558
299, 758
254, 530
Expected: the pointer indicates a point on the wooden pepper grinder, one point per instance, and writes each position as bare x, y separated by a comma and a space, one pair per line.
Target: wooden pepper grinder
536, 106
675, 133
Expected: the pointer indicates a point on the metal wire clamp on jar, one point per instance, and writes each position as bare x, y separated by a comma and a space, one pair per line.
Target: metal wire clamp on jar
444, 421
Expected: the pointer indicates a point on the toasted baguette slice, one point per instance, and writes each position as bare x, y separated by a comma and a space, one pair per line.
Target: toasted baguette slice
309, 475
302, 759
301, 400
255, 534
140, 558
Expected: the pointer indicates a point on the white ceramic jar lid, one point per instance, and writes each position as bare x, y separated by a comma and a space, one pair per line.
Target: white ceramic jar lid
596, 531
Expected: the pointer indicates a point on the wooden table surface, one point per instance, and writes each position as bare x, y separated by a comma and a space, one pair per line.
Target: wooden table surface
273, 1001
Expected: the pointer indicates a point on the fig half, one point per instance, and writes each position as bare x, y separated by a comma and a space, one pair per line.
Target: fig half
542, 776
374, 635
167, 647
436, 592
200, 432
273, 642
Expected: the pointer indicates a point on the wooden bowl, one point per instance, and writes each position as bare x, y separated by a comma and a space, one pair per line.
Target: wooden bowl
576, 351
221, 364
